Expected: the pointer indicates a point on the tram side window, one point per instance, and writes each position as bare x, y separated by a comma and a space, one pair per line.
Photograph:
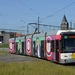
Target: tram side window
52, 42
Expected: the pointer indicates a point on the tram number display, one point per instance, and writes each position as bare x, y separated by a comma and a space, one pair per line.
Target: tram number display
73, 56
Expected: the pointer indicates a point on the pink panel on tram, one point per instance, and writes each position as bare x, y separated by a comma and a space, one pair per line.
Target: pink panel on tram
58, 37
12, 46
28, 46
48, 48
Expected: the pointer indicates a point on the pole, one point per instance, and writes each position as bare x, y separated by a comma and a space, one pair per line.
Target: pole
38, 24
27, 29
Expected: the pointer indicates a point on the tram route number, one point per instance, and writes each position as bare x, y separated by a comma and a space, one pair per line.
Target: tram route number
73, 56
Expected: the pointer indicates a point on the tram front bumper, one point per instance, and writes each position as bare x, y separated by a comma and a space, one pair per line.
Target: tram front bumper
65, 61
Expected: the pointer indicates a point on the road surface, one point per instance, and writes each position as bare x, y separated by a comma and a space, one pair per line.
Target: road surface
17, 58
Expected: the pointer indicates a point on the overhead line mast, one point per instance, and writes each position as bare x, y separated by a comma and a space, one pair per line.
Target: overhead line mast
38, 25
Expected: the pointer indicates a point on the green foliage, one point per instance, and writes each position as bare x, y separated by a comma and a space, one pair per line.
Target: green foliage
35, 68
4, 46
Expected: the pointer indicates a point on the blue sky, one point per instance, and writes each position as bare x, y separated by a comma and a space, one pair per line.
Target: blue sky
13, 11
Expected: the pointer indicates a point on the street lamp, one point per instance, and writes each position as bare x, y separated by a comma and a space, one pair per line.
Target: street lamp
27, 29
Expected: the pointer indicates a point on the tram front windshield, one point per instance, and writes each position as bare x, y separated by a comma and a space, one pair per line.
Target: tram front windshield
69, 43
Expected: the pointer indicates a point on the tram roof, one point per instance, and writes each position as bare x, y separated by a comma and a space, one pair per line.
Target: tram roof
28, 36
11, 38
60, 31
20, 38
39, 35
51, 32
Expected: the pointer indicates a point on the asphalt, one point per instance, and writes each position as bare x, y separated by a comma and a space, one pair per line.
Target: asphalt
15, 57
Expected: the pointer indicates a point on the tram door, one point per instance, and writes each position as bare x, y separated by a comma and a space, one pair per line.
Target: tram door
22, 47
16, 47
42, 49
57, 50
34, 48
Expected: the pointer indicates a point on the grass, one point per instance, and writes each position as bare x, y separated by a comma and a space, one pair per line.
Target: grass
35, 68
4, 46
4, 52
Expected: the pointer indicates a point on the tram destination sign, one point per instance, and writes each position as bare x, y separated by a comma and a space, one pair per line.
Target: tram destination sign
71, 36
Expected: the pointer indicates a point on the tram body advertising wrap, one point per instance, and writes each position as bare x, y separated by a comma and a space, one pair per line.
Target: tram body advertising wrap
53, 48
38, 45
20, 45
56, 46
29, 45
12, 45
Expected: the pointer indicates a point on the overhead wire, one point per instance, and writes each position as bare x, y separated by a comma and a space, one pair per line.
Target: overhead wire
49, 15
3, 18
28, 7
59, 10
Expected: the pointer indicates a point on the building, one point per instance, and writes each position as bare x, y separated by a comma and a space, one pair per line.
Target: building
18, 35
64, 24
4, 38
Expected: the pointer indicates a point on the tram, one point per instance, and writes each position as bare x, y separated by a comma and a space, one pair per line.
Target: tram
56, 46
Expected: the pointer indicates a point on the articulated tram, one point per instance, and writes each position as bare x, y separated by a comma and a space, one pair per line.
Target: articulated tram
56, 46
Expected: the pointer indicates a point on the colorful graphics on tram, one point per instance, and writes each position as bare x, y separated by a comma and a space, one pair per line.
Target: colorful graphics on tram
20, 46
12, 45
48, 48
28, 46
38, 47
